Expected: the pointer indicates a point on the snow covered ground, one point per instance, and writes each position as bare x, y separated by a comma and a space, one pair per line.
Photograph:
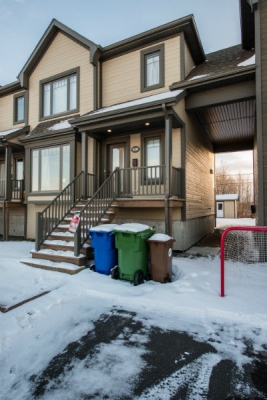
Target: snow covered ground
50, 332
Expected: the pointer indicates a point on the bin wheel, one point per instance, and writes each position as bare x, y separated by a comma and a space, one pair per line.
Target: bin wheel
138, 278
115, 273
148, 277
167, 279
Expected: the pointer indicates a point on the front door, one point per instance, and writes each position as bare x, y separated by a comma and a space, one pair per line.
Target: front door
220, 213
117, 160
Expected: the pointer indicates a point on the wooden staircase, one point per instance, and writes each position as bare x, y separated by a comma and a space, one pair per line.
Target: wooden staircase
57, 251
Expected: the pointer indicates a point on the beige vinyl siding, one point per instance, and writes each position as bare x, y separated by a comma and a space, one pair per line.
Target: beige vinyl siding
121, 75
6, 112
91, 154
189, 63
31, 219
176, 148
199, 161
135, 140
62, 55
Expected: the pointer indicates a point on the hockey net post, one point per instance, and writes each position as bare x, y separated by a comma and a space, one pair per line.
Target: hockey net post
261, 249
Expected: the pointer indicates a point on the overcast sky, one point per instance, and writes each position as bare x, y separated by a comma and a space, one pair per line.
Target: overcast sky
23, 22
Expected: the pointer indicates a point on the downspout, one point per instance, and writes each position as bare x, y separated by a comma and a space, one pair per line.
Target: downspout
168, 163
4, 220
4, 201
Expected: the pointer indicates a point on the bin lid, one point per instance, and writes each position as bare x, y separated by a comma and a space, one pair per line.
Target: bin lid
160, 237
103, 228
132, 227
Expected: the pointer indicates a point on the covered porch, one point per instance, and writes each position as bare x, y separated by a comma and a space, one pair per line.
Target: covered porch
12, 188
135, 139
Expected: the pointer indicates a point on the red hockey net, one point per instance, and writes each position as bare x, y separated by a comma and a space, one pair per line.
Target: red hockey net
243, 257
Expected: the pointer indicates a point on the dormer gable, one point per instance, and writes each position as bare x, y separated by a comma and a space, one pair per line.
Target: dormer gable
50, 33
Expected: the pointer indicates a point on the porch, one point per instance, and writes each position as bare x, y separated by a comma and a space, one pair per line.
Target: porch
131, 189
11, 198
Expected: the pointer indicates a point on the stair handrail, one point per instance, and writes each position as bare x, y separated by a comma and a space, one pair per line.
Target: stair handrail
48, 219
96, 207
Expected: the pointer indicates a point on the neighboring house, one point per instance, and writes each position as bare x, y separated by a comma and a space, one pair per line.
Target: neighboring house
141, 119
226, 205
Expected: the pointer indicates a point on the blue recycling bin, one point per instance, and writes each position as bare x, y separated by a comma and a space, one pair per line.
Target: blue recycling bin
103, 242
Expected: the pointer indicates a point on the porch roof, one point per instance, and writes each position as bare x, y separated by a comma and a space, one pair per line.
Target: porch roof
49, 128
131, 114
12, 133
221, 93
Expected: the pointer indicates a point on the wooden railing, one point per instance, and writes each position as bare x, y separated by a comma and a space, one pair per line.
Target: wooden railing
17, 189
126, 182
148, 181
60, 206
92, 212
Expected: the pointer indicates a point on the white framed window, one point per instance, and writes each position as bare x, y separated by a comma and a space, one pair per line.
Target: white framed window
152, 68
50, 168
59, 95
19, 108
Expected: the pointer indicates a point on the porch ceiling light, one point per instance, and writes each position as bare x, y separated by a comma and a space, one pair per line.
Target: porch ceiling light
109, 130
147, 123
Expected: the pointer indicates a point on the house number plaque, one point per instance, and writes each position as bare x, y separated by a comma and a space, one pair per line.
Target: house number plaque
135, 149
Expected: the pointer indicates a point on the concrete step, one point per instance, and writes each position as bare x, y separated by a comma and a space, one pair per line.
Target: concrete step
67, 268
59, 256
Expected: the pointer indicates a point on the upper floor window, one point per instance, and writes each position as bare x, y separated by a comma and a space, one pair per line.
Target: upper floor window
152, 68
59, 95
19, 108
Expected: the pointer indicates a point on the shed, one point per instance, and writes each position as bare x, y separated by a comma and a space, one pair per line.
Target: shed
226, 205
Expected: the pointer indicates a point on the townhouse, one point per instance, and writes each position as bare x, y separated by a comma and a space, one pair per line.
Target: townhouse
128, 131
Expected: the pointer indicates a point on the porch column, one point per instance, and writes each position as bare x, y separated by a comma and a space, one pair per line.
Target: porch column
8, 188
168, 153
84, 163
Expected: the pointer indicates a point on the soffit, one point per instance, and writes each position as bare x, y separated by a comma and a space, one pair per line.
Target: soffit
230, 126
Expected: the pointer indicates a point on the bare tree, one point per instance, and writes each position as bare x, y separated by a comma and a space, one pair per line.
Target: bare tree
241, 184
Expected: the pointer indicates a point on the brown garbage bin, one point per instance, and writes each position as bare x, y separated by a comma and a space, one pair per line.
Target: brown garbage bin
160, 248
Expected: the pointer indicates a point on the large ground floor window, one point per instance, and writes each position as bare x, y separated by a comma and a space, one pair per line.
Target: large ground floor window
50, 168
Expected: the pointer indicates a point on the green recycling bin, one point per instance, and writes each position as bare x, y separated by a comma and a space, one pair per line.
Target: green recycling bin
130, 240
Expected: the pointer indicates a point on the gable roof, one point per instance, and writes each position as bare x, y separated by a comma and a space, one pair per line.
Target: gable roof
52, 30
186, 24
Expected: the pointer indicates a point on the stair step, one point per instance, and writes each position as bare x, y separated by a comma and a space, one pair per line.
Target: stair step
59, 256
64, 267
62, 245
62, 235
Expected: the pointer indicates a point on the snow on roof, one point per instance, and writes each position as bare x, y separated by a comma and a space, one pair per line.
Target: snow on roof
160, 237
249, 61
226, 197
132, 227
103, 228
4, 133
60, 125
132, 103
198, 77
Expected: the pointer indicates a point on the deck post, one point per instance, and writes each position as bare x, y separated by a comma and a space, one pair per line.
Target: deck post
8, 188
84, 164
168, 162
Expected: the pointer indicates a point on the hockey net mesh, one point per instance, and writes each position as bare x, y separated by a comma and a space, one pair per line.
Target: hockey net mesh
245, 257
